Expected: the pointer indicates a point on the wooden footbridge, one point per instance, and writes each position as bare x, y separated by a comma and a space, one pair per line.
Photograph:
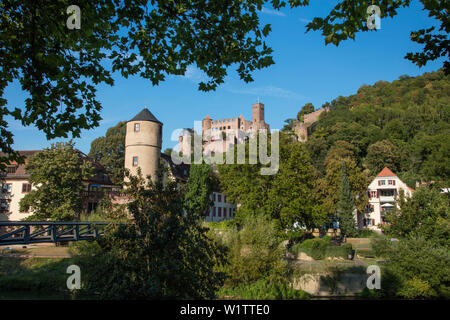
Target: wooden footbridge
17, 232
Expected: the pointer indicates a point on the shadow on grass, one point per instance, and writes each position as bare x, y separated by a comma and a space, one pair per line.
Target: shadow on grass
34, 278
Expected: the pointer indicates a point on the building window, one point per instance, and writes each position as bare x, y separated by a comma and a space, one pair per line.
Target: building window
390, 182
135, 161
4, 205
214, 211
224, 212
382, 182
220, 212
224, 198
219, 198
373, 194
6, 187
26, 187
136, 127
11, 169
92, 206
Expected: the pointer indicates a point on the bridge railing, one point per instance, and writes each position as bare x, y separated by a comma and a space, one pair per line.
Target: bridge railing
45, 231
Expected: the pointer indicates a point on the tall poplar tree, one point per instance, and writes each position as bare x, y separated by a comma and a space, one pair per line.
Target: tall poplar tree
345, 206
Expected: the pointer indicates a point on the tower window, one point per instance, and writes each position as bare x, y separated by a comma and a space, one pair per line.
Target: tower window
136, 127
135, 161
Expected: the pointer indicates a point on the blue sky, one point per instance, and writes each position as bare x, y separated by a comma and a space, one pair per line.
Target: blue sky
305, 70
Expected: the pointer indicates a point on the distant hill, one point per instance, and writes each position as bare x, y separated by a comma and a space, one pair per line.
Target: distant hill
403, 125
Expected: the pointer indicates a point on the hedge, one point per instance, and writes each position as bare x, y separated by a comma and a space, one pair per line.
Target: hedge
320, 248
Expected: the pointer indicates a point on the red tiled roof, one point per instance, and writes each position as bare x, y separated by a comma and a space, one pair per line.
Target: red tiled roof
386, 172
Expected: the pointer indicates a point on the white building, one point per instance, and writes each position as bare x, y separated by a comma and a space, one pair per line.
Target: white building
221, 210
383, 193
15, 184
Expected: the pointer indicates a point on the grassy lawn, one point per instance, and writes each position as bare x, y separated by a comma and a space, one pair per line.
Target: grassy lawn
33, 275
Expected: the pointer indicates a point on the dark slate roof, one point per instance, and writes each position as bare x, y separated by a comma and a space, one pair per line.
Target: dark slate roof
145, 115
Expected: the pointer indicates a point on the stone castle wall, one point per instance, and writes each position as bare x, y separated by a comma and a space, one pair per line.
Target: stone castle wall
301, 128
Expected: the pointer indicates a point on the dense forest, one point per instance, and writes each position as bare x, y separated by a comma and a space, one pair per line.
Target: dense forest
403, 125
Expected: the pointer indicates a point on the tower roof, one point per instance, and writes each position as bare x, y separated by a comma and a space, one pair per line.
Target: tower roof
145, 115
386, 172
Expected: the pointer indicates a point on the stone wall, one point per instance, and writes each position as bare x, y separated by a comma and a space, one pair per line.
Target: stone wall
329, 284
301, 128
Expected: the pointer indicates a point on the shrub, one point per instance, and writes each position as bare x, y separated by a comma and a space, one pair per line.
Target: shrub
320, 248
295, 236
264, 289
339, 251
416, 268
255, 252
222, 225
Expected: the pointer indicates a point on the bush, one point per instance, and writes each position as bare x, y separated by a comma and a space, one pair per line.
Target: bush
416, 268
255, 253
339, 251
222, 225
263, 289
320, 248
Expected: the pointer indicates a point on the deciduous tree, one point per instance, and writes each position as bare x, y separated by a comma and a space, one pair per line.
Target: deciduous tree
57, 173
109, 151
164, 253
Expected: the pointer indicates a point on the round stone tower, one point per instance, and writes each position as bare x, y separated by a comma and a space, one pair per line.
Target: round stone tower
143, 142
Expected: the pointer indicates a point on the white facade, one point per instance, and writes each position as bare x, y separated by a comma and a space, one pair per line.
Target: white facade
383, 193
12, 191
221, 210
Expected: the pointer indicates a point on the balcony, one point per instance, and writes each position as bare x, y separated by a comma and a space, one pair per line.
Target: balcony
101, 194
387, 199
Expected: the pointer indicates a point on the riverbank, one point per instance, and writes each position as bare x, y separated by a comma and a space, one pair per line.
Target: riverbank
39, 273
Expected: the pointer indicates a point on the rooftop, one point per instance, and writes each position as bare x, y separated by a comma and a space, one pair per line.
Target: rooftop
386, 172
145, 115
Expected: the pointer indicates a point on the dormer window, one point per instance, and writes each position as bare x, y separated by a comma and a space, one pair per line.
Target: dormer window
136, 127
11, 169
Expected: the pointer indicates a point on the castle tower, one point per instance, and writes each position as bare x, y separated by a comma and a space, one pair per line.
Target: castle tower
143, 141
206, 126
258, 113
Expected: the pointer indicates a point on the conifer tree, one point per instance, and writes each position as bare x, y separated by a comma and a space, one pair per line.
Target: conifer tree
345, 206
